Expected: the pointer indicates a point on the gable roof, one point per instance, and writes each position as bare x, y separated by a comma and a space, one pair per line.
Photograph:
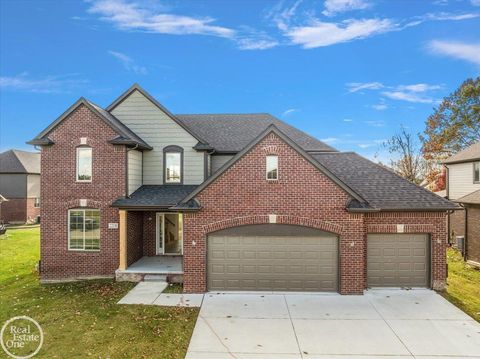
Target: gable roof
126, 136
230, 133
380, 187
273, 129
471, 198
155, 196
137, 87
470, 153
16, 161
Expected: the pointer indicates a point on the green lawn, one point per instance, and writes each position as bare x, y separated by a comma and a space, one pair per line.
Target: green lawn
81, 319
463, 287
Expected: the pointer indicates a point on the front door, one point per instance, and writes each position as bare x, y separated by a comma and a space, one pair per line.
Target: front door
169, 233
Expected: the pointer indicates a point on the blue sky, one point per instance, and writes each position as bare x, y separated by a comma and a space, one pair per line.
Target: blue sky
349, 72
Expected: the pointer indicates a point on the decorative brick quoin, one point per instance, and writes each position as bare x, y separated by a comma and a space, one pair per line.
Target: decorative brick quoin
327, 220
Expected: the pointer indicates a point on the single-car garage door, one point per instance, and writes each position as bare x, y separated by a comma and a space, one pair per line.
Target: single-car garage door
272, 257
398, 260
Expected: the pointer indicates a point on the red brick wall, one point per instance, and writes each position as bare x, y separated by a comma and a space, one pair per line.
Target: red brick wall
303, 196
60, 192
149, 234
457, 225
134, 237
473, 240
32, 211
14, 211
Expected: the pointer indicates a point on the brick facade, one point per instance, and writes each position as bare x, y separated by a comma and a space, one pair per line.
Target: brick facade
457, 225
473, 239
19, 210
303, 196
61, 192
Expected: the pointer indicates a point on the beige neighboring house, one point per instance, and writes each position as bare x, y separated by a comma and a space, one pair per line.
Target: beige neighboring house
463, 186
20, 186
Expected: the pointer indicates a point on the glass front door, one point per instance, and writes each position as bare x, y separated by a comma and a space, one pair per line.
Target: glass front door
169, 233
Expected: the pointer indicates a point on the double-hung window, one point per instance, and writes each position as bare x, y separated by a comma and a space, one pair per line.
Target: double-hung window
476, 172
272, 168
173, 164
84, 229
84, 164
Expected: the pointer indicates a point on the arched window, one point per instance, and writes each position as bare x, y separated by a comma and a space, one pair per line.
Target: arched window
173, 165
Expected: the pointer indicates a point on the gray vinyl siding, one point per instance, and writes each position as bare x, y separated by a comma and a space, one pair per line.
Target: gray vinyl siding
13, 185
134, 170
460, 180
218, 161
33, 186
159, 131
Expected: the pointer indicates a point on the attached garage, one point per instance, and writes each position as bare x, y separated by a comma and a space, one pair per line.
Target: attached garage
398, 260
272, 257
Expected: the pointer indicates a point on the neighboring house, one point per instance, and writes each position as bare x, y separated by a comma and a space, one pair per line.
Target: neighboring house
463, 186
20, 185
237, 201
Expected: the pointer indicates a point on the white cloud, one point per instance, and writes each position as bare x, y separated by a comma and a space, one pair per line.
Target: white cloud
460, 50
49, 84
407, 96
475, 2
251, 39
333, 7
128, 63
135, 16
358, 86
347, 120
375, 123
289, 111
320, 33
418, 87
380, 107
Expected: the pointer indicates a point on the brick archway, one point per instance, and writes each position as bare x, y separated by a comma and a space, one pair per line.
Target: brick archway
279, 219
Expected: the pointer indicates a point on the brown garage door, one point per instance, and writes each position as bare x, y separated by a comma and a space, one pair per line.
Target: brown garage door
272, 257
398, 260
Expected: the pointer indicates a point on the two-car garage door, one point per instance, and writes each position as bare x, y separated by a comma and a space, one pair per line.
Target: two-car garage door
272, 257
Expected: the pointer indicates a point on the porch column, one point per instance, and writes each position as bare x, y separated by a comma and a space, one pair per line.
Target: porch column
123, 240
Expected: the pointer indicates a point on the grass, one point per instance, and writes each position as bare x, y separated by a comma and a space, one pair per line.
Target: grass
174, 288
463, 287
82, 319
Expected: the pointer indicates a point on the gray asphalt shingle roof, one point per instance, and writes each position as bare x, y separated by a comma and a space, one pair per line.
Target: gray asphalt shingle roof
471, 198
468, 154
16, 161
379, 186
232, 132
155, 196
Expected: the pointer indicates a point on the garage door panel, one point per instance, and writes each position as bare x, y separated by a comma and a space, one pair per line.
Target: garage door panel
400, 260
262, 262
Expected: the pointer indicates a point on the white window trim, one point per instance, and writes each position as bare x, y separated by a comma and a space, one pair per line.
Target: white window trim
68, 229
180, 181
161, 216
76, 164
266, 169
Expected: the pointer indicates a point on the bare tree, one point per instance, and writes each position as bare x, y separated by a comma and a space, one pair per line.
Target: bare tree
407, 158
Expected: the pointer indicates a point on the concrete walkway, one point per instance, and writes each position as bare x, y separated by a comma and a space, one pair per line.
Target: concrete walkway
381, 324
150, 293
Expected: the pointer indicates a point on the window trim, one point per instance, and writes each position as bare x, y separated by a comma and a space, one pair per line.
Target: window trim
36, 203
76, 164
172, 149
478, 166
266, 168
68, 230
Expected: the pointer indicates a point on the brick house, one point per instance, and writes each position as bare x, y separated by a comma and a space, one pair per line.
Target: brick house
463, 187
227, 202
20, 186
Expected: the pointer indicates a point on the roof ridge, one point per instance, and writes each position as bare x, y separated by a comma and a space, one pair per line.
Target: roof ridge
223, 114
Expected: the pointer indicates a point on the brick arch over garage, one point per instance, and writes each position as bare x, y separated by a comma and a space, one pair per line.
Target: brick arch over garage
278, 219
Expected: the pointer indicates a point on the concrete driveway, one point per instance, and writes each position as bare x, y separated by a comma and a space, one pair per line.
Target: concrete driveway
382, 323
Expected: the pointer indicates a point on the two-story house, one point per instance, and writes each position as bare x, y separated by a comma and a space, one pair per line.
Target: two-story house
227, 202
20, 186
463, 186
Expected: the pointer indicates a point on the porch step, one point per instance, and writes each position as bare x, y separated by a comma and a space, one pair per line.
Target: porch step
155, 278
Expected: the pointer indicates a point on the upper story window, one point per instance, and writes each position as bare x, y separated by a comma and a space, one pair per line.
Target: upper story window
272, 167
84, 229
173, 164
476, 172
84, 164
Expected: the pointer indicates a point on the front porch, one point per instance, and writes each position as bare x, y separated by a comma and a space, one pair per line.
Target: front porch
151, 244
